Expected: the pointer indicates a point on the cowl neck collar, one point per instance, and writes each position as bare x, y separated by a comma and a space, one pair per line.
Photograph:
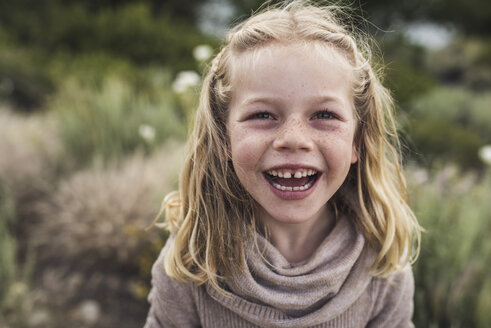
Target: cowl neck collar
274, 293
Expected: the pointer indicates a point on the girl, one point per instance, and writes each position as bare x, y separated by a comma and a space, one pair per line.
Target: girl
291, 209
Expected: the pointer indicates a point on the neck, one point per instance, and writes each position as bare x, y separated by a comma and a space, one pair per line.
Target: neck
298, 241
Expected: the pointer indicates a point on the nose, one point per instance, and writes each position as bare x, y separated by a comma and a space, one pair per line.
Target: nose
293, 135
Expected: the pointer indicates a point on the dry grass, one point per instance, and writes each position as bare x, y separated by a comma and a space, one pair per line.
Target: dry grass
30, 151
452, 272
100, 214
90, 239
85, 228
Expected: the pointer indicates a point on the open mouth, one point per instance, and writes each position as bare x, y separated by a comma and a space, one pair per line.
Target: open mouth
292, 180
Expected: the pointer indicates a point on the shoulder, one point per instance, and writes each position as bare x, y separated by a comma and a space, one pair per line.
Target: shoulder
393, 299
164, 283
398, 283
172, 301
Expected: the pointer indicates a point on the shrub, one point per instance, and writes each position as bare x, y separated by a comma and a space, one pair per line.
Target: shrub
30, 154
452, 273
15, 301
129, 30
466, 61
442, 140
451, 124
28, 166
406, 75
92, 68
101, 121
24, 78
407, 82
94, 222
7, 244
36, 38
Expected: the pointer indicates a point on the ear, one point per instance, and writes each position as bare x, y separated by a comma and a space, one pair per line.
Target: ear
354, 153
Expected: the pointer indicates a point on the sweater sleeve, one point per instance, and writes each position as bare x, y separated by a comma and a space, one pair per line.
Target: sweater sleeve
172, 303
394, 301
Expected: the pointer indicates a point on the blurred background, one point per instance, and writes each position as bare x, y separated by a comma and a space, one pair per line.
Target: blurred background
95, 100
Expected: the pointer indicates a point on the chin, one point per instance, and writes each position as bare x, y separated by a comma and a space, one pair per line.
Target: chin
292, 217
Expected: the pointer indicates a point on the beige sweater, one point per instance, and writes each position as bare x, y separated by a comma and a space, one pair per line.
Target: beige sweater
332, 289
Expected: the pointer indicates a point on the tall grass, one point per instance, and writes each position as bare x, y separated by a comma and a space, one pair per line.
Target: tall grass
7, 244
101, 121
103, 211
29, 151
85, 227
14, 277
98, 217
453, 284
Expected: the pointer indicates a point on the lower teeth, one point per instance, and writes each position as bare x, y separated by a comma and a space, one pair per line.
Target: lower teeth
304, 187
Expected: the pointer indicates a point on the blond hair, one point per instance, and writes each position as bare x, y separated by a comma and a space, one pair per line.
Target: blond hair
212, 214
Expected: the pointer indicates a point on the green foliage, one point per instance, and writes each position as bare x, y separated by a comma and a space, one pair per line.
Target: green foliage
129, 30
406, 82
37, 39
24, 79
14, 301
91, 67
406, 74
107, 119
442, 139
471, 16
7, 243
466, 61
450, 124
452, 273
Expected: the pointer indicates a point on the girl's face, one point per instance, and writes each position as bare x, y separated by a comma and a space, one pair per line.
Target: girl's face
291, 127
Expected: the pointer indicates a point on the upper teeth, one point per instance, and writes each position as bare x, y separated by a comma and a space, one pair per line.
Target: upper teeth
292, 173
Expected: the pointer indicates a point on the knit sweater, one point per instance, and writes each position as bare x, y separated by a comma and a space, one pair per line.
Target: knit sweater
333, 288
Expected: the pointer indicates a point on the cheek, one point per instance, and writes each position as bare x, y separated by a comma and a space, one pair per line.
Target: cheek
338, 148
246, 149
243, 158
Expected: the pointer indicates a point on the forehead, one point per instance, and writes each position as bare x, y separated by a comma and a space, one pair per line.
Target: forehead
312, 68
314, 52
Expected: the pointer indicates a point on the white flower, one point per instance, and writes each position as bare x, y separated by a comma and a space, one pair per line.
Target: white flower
202, 52
420, 176
147, 132
185, 80
90, 311
485, 154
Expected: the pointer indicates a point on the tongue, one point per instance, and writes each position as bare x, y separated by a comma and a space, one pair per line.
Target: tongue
292, 182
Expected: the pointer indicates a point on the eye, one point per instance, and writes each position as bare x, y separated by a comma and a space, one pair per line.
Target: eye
324, 115
262, 116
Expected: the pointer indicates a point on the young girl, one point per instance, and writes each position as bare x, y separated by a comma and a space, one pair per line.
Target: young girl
291, 209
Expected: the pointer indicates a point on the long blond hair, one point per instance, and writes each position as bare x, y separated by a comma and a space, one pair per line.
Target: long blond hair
212, 214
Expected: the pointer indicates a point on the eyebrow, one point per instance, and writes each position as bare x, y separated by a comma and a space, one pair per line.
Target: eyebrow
274, 101
261, 100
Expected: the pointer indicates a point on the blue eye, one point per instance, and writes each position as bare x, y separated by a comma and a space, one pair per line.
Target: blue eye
324, 115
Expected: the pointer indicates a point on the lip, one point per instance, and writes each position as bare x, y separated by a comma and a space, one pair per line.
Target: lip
293, 167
